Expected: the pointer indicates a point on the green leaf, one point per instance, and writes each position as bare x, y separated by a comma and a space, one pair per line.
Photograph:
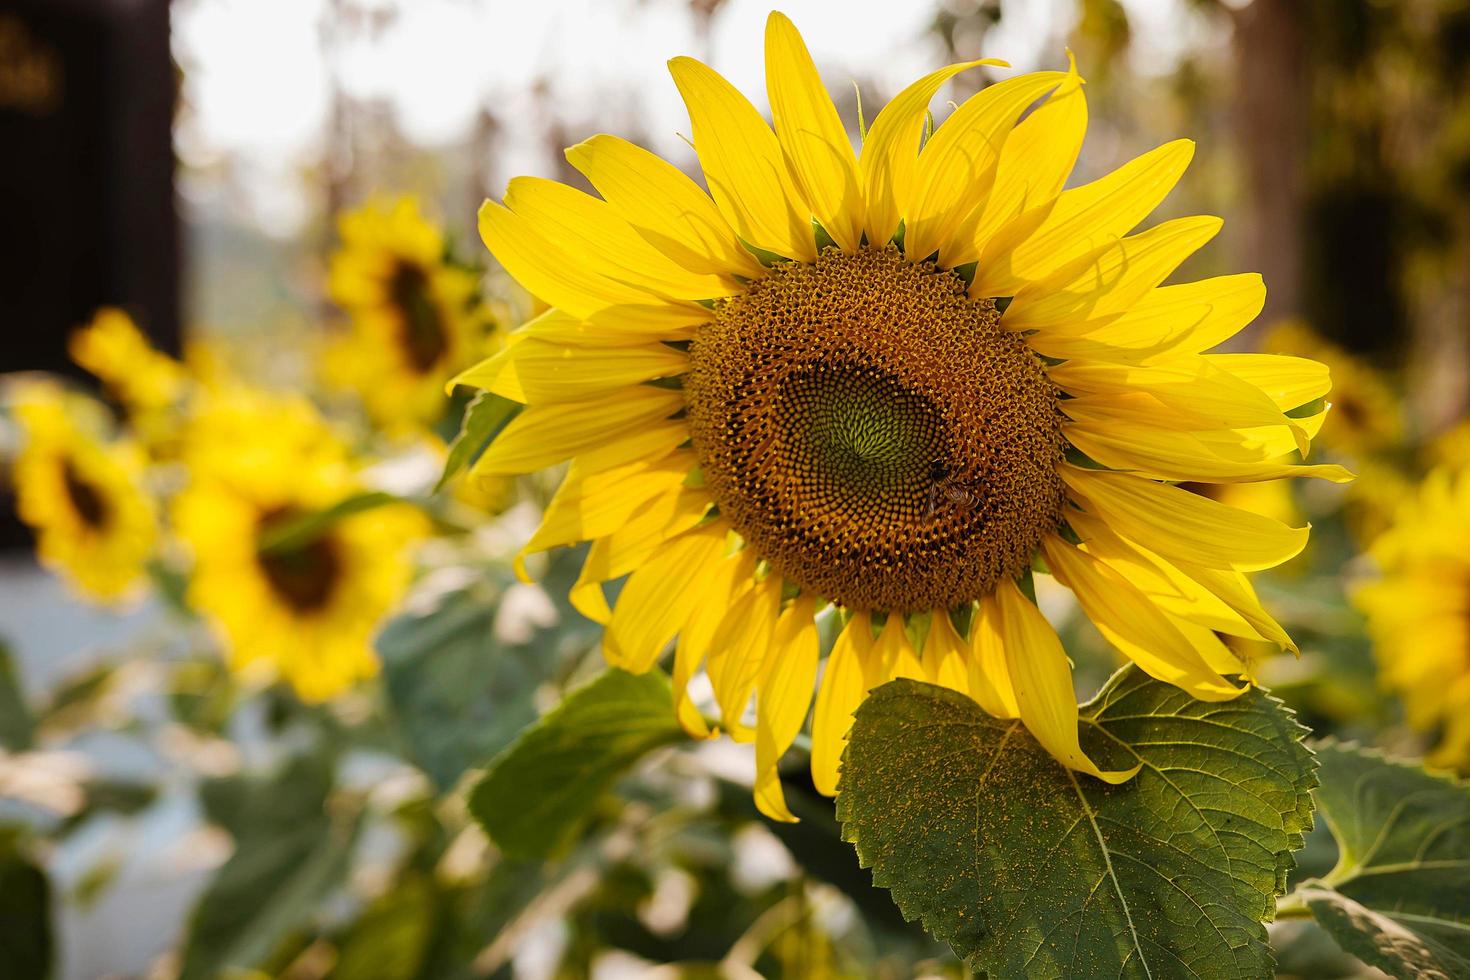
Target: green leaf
299, 532
289, 855
391, 939
17, 724
26, 946
1399, 897
538, 793
1027, 869
484, 417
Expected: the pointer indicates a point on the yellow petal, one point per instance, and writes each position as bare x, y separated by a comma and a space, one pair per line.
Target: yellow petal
957, 166
891, 150
1129, 621
816, 143
843, 688
537, 371
1042, 676
593, 232
1080, 221
946, 658
1035, 161
633, 543
990, 677
595, 505
660, 595
738, 650
895, 653
560, 327
1161, 454
1290, 382
1110, 279
785, 692
544, 435
668, 209
1184, 526
564, 281
1189, 393
743, 164
1168, 321
731, 579
1236, 591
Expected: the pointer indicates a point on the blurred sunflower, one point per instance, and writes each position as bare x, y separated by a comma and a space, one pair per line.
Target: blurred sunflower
415, 317
886, 383
145, 382
94, 522
286, 600
1367, 416
1419, 611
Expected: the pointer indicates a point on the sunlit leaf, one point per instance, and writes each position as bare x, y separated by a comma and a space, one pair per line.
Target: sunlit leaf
1027, 869
1399, 897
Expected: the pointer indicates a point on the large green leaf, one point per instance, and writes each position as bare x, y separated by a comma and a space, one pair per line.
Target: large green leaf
1399, 897
539, 792
1027, 869
289, 855
25, 916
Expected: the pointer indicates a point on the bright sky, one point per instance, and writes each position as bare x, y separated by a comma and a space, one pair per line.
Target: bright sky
259, 74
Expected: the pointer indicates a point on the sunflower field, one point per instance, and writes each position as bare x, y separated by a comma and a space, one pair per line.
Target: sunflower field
971, 488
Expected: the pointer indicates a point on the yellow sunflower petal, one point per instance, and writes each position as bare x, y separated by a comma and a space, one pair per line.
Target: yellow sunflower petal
1177, 524
737, 651
1290, 382
1161, 454
565, 281
660, 595
731, 579
812, 134
544, 435
1042, 676
539, 371
891, 150
668, 209
1036, 159
1236, 591
1133, 624
1079, 221
990, 677
957, 166
785, 693
631, 545
1110, 279
844, 686
946, 659
743, 163
895, 653
1170, 320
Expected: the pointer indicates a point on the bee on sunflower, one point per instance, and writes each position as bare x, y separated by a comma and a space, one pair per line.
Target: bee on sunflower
415, 316
94, 521
890, 383
287, 600
1418, 611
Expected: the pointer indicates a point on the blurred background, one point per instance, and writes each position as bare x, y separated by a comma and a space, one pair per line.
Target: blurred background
189, 161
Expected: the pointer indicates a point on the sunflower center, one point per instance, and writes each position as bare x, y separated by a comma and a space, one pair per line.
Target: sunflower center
873, 433
86, 499
303, 577
424, 339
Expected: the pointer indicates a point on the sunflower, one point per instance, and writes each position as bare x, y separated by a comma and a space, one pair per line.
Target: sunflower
415, 317
886, 385
93, 519
303, 607
147, 384
1419, 611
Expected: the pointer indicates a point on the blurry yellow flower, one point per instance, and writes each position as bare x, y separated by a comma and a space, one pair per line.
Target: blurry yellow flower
305, 611
415, 319
864, 426
1451, 448
1419, 611
1366, 415
94, 522
146, 383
